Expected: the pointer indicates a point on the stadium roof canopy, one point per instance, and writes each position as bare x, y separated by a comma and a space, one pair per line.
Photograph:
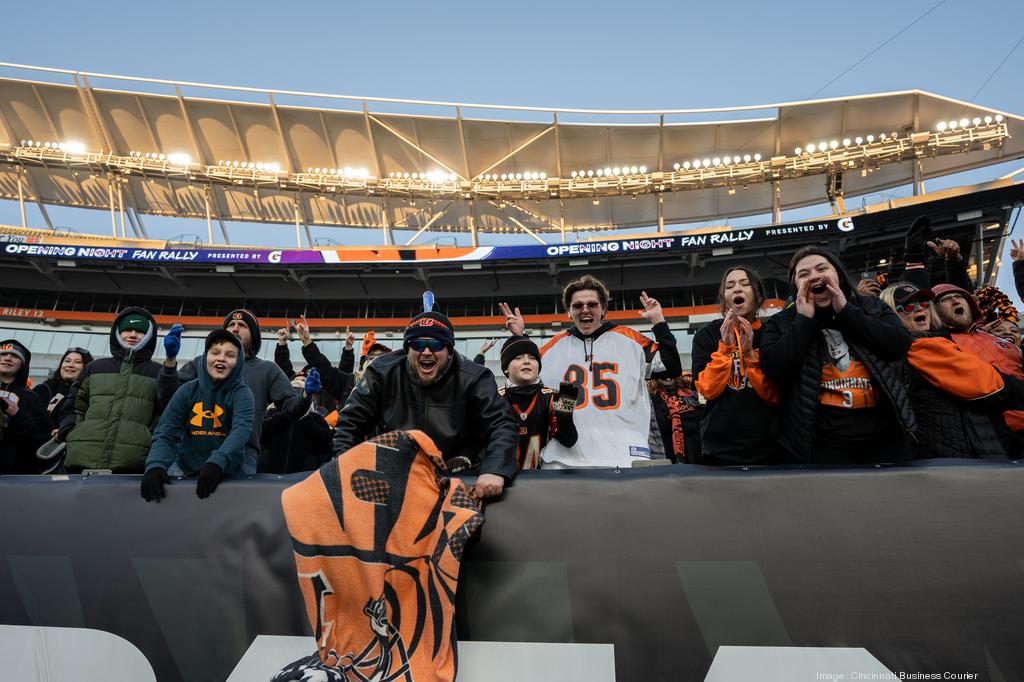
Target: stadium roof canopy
243, 154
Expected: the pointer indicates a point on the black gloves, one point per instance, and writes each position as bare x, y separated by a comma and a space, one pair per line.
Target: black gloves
565, 401
917, 237
153, 484
209, 476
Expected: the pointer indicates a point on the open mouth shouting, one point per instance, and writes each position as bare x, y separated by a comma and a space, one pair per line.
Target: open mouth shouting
920, 320
738, 303
219, 369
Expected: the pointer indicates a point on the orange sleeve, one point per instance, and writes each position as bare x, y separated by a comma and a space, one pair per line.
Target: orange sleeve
762, 385
713, 379
332, 419
953, 370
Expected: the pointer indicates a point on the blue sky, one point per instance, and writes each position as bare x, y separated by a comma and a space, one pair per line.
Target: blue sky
569, 54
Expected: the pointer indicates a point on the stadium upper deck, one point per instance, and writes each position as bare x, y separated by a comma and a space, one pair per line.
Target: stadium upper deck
82, 139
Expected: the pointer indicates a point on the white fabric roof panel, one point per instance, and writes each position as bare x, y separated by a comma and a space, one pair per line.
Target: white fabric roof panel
301, 137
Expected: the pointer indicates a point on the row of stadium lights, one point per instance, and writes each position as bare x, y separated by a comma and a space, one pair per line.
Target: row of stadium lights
717, 161
615, 171
432, 176
74, 147
963, 123
69, 147
346, 172
511, 177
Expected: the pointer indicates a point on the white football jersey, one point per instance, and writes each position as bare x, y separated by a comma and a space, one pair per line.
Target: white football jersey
613, 412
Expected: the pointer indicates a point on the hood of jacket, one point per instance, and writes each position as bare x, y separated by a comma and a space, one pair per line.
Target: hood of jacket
144, 349
208, 387
21, 378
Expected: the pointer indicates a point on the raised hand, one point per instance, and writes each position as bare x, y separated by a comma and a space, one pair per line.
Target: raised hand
728, 325
746, 336
513, 319
172, 341
302, 327
487, 345
838, 297
946, 248
312, 384
804, 304
282, 336
1017, 252
350, 339
869, 287
652, 309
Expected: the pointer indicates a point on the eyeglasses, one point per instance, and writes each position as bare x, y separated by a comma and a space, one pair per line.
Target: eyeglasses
589, 305
911, 307
423, 343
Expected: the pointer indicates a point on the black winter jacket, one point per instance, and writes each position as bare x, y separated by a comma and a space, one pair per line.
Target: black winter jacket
290, 445
461, 411
793, 352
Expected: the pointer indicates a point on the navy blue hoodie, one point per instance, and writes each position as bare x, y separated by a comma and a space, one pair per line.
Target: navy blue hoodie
206, 421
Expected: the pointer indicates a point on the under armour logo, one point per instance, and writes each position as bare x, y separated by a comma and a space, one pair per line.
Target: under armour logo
201, 414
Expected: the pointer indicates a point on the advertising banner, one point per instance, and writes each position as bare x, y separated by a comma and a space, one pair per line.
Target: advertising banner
51, 247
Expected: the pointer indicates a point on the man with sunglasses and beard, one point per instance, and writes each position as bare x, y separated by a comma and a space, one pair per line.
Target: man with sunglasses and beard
429, 386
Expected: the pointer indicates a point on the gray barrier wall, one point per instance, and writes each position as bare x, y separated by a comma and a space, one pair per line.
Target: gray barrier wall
923, 566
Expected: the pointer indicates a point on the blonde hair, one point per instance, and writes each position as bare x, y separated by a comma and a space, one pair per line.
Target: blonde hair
888, 296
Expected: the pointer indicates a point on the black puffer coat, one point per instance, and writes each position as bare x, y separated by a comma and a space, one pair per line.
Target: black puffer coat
793, 352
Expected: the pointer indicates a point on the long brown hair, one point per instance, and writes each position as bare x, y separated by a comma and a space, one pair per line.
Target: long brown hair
755, 283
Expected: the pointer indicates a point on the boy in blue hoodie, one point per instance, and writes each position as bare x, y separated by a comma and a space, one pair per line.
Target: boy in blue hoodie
207, 423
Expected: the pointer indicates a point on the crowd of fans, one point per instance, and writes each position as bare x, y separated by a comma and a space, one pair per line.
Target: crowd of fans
888, 369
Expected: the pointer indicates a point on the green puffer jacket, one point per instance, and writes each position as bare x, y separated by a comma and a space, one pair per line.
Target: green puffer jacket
109, 416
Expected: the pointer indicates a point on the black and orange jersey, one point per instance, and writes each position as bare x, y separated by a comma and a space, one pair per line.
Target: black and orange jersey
534, 409
378, 535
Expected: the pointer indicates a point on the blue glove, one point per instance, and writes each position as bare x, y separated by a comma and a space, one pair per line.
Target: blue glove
172, 341
312, 382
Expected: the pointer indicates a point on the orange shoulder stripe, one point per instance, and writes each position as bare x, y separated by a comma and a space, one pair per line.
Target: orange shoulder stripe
554, 339
631, 333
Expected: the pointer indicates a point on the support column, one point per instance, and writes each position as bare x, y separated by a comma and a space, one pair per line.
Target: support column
918, 178
209, 217
120, 209
298, 226
21, 201
110, 202
777, 203
661, 213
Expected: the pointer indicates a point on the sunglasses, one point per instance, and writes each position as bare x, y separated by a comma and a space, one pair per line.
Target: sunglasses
421, 344
911, 307
590, 305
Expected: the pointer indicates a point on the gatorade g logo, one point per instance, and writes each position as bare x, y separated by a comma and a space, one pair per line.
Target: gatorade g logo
201, 414
845, 224
274, 257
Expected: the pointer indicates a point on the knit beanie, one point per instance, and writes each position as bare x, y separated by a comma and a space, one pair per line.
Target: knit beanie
18, 349
135, 322
995, 305
251, 322
515, 346
220, 336
433, 325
